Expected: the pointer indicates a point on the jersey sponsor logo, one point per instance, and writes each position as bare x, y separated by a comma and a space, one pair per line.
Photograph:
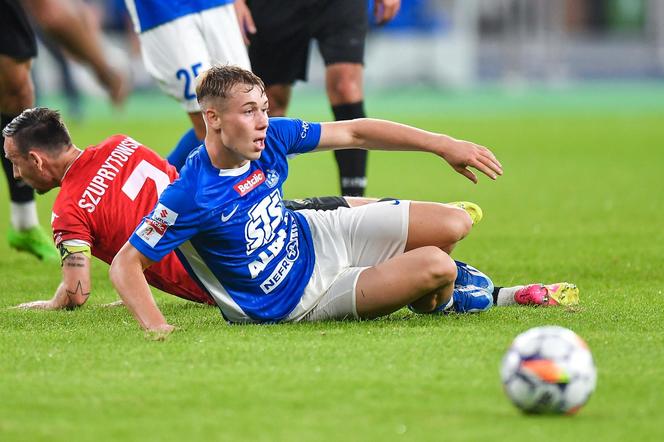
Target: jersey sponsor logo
154, 228
272, 178
225, 218
99, 183
268, 225
250, 183
284, 267
264, 219
305, 130
265, 257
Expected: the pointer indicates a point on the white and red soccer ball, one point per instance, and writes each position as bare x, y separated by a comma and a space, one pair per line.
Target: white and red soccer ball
548, 370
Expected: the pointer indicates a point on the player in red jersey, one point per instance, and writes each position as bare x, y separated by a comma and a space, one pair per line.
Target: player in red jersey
105, 192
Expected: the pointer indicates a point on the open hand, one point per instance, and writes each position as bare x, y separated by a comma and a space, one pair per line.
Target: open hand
159, 332
463, 154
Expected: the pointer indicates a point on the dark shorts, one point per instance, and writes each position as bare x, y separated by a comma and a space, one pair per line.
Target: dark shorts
17, 39
279, 51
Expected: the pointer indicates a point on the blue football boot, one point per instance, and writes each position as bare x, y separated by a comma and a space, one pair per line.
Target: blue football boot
473, 290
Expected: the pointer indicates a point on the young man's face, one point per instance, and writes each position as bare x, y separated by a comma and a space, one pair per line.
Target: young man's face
26, 168
244, 122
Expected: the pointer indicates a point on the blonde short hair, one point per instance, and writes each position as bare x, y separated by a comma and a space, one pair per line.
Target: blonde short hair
219, 81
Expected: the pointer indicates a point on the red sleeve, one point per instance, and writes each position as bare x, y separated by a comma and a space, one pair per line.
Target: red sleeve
69, 223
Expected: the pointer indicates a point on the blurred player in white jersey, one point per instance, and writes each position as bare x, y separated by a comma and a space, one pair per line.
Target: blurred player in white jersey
181, 39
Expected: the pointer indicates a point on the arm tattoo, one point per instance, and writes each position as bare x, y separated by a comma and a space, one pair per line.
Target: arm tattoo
79, 290
75, 260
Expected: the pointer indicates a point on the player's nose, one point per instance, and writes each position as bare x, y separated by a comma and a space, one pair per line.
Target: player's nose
262, 120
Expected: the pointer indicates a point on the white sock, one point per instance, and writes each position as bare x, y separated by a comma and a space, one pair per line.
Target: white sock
24, 215
506, 295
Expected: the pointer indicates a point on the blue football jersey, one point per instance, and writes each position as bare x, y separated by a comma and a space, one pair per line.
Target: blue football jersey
148, 14
232, 232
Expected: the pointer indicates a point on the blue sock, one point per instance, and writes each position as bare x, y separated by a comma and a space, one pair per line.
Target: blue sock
179, 154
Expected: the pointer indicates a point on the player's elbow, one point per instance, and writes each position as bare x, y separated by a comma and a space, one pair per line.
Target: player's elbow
76, 300
127, 264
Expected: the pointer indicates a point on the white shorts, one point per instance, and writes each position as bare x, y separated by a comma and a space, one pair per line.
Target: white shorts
176, 52
346, 242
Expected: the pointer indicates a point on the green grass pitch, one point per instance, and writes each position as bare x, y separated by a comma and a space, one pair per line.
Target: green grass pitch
581, 200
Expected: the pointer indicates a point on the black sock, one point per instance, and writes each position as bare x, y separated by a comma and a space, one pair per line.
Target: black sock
317, 203
19, 191
352, 162
496, 289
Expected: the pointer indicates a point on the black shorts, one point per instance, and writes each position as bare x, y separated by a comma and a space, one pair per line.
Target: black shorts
279, 51
17, 39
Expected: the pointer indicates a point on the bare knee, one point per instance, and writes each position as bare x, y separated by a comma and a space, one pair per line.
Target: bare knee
16, 91
344, 83
278, 98
438, 269
460, 224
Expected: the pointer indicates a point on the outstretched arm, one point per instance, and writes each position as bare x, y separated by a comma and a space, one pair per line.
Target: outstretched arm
373, 134
74, 289
127, 276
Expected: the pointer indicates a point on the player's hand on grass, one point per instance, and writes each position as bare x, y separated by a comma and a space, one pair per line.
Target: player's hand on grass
463, 154
36, 305
245, 19
113, 304
385, 10
159, 332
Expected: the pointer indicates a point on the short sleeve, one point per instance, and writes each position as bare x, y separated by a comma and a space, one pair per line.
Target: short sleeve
69, 225
174, 220
296, 136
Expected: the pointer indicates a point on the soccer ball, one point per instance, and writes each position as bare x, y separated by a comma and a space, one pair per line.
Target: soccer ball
548, 370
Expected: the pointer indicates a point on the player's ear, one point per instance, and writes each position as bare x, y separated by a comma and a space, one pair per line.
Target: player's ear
36, 159
212, 118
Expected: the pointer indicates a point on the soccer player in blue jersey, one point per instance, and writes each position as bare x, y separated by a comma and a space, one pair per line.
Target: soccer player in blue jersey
260, 262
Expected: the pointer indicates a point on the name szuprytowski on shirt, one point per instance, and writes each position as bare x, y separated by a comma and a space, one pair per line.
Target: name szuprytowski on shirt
99, 183
154, 228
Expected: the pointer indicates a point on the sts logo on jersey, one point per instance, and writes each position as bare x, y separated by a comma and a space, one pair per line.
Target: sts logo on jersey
153, 228
264, 218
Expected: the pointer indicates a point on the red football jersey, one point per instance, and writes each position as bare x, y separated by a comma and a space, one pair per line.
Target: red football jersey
104, 196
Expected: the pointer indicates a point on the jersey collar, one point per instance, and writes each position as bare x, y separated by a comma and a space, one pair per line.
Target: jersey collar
235, 172
80, 152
